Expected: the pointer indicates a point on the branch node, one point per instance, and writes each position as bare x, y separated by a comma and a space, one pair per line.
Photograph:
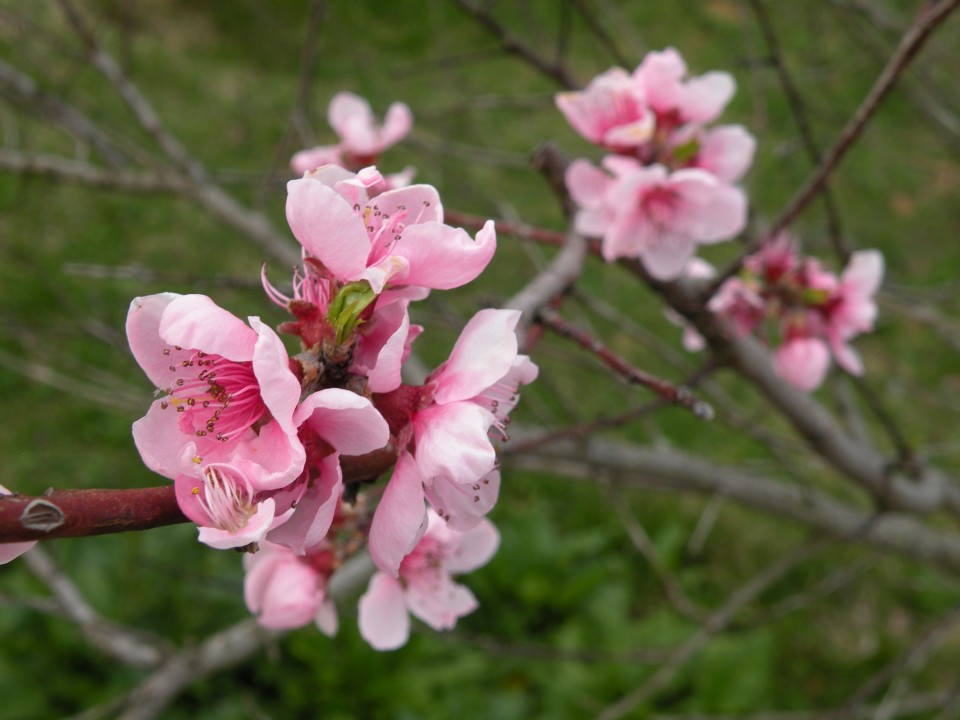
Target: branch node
42, 515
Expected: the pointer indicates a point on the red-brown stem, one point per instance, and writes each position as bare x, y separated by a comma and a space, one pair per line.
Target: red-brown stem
504, 227
678, 395
80, 513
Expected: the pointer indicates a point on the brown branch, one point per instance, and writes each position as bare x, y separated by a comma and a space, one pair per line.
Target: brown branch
718, 621
82, 513
798, 108
678, 395
554, 70
897, 533
911, 43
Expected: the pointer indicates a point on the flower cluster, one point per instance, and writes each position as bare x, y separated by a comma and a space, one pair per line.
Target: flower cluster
667, 184
361, 138
256, 441
807, 312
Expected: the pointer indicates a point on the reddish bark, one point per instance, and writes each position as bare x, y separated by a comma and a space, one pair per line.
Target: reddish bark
79, 513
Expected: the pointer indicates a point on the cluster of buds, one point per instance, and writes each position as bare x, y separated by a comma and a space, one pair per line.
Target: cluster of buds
805, 312
268, 452
667, 184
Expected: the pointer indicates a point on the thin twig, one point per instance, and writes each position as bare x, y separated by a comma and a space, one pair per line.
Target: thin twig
911, 43
714, 624
678, 395
556, 70
799, 111
131, 648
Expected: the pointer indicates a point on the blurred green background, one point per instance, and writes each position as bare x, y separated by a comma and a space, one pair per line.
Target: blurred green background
571, 616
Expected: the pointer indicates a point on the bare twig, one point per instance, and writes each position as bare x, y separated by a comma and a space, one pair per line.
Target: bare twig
911, 43
553, 281
799, 111
644, 545
556, 70
81, 513
897, 533
714, 624
678, 395
132, 648
224, 649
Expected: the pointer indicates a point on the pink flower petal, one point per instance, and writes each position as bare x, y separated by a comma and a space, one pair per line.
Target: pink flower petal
463, 505
307, 160
400, 518
383, 618
588, 184
384, 376
257, 526
195, 321
483, 354
143, 334
442, 257
326, 618
703, 98
396, 125
282, 590
163, 447
452, 442
667, 254
476, 548
439, 601
420, 203
802, 362
313, 515
328, 227
726, 152
349, 422
279, 387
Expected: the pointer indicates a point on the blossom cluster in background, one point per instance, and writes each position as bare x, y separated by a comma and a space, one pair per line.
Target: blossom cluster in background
256, 441
668, 183
806, 312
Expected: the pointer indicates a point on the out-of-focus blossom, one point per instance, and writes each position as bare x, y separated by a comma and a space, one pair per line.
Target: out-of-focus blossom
288, 591
654, 214
362, 139
424, 586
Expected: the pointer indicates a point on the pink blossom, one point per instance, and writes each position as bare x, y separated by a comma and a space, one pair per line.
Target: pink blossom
677, 99
453, 463
740, 304
423, 586
287, 591
10, 551
852, 308
396, 238
726, 152
332, 422
221, 500
229, 389
802, 362
361, 138
655, 215
611, 111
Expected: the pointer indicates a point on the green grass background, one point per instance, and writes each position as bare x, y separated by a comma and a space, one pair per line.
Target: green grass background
567, 598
